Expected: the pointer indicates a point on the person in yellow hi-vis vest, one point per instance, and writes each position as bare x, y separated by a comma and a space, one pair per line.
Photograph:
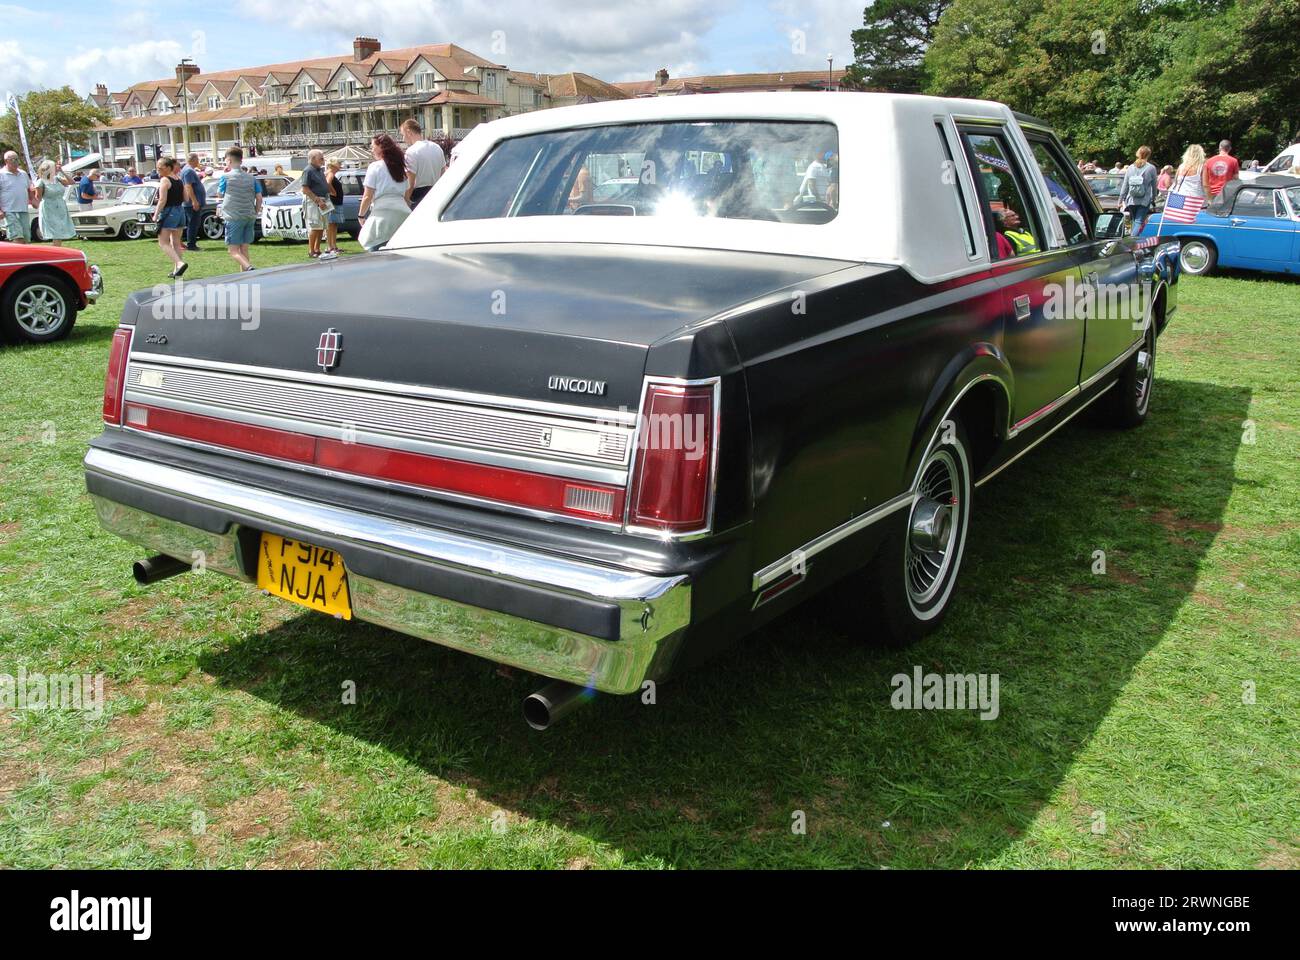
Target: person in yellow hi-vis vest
1022, 241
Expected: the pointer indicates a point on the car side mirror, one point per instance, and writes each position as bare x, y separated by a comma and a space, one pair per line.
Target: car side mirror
1110, 226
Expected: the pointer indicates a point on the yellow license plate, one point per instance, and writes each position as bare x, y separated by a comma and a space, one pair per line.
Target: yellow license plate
305, 574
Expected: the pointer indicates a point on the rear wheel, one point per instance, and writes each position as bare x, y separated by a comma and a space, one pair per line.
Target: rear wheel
36, 308
912, 577
132, 230
1198, 257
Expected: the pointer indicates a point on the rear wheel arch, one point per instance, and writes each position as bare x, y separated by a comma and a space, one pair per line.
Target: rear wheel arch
977, 389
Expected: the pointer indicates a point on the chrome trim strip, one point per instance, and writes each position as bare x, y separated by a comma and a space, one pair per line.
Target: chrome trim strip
403, 423
602, 415
495, 458
1022, 425
372, 481
1072, 414
1118, 361
813, 547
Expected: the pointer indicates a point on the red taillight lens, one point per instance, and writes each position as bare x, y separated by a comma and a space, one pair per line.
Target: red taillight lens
672, 481
115, 377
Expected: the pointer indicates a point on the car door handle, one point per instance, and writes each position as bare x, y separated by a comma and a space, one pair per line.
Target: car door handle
1237, 221
1021, 304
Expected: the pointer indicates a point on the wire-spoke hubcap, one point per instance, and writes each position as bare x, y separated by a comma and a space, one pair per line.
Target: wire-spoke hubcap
1145, 373
932, 527
40, 309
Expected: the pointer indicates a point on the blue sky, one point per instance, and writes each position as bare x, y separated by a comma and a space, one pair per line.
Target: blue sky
83, 42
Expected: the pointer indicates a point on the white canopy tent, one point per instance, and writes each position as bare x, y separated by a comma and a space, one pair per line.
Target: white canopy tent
350, 156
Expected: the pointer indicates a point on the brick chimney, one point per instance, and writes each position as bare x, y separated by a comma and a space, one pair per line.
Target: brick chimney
101, 90
661, 77
186, 70
363, 47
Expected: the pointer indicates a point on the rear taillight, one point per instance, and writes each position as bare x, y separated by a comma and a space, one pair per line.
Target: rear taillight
115, 377
672, 479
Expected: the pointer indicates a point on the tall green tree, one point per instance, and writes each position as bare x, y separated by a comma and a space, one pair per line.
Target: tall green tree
259, 132
1230, 75
1103, 72
889, 48
50, 118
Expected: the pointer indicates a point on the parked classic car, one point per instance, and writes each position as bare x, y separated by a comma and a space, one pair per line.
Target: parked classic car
41, 290
1106, 187
1252, 225
282, 215
214, 228
1286, 163
600, 444
121, 218
106, 195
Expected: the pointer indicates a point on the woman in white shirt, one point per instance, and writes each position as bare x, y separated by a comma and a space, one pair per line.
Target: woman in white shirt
1190, 180
383, 201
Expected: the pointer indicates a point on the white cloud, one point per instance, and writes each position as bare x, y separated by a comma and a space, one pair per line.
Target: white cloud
607, 39
17, 68
121, 66
826, 26
118, 66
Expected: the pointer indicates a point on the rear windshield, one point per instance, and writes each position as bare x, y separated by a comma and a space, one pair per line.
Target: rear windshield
740, 170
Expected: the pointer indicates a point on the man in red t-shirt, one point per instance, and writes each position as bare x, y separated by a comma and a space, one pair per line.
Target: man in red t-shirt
1222, 168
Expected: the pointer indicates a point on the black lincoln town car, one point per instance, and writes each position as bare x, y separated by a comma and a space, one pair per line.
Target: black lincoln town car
637, 377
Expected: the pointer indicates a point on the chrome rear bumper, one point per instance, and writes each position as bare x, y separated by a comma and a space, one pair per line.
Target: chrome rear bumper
647, 614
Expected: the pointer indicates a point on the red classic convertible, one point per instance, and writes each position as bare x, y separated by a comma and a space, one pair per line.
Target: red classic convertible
41, 290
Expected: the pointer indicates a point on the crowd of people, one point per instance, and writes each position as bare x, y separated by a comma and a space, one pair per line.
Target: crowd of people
1196, 176
395, 181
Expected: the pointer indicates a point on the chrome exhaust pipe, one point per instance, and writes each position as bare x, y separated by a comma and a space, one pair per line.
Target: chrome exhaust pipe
553, 701
157, 568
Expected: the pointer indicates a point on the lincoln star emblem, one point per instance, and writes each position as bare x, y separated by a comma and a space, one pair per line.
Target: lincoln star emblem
328, 349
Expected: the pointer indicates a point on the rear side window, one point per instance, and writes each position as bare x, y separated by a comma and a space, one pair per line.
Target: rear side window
1254, 202
950, 177
1010, 220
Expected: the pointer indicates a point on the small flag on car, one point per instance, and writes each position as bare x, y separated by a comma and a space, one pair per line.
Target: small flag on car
1182, 209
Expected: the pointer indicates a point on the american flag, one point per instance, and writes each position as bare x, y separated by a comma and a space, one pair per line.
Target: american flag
1182, 209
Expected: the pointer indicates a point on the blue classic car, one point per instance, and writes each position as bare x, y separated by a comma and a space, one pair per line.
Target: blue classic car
1252, 225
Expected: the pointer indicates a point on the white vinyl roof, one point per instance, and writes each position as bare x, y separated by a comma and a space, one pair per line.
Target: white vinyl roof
897, 199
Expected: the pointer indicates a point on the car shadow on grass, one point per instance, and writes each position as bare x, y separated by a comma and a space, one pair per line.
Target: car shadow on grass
796, 721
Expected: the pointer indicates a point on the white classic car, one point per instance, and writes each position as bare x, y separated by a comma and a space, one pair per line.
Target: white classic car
121, 218
106, 194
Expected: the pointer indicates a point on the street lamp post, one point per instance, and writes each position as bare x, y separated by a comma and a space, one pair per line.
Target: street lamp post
185, 99
830, 73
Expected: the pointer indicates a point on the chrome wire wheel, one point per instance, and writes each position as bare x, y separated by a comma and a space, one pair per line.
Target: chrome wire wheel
40, 310
936, 519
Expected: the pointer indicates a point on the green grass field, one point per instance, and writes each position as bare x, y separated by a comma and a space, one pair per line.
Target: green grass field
1124, 738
